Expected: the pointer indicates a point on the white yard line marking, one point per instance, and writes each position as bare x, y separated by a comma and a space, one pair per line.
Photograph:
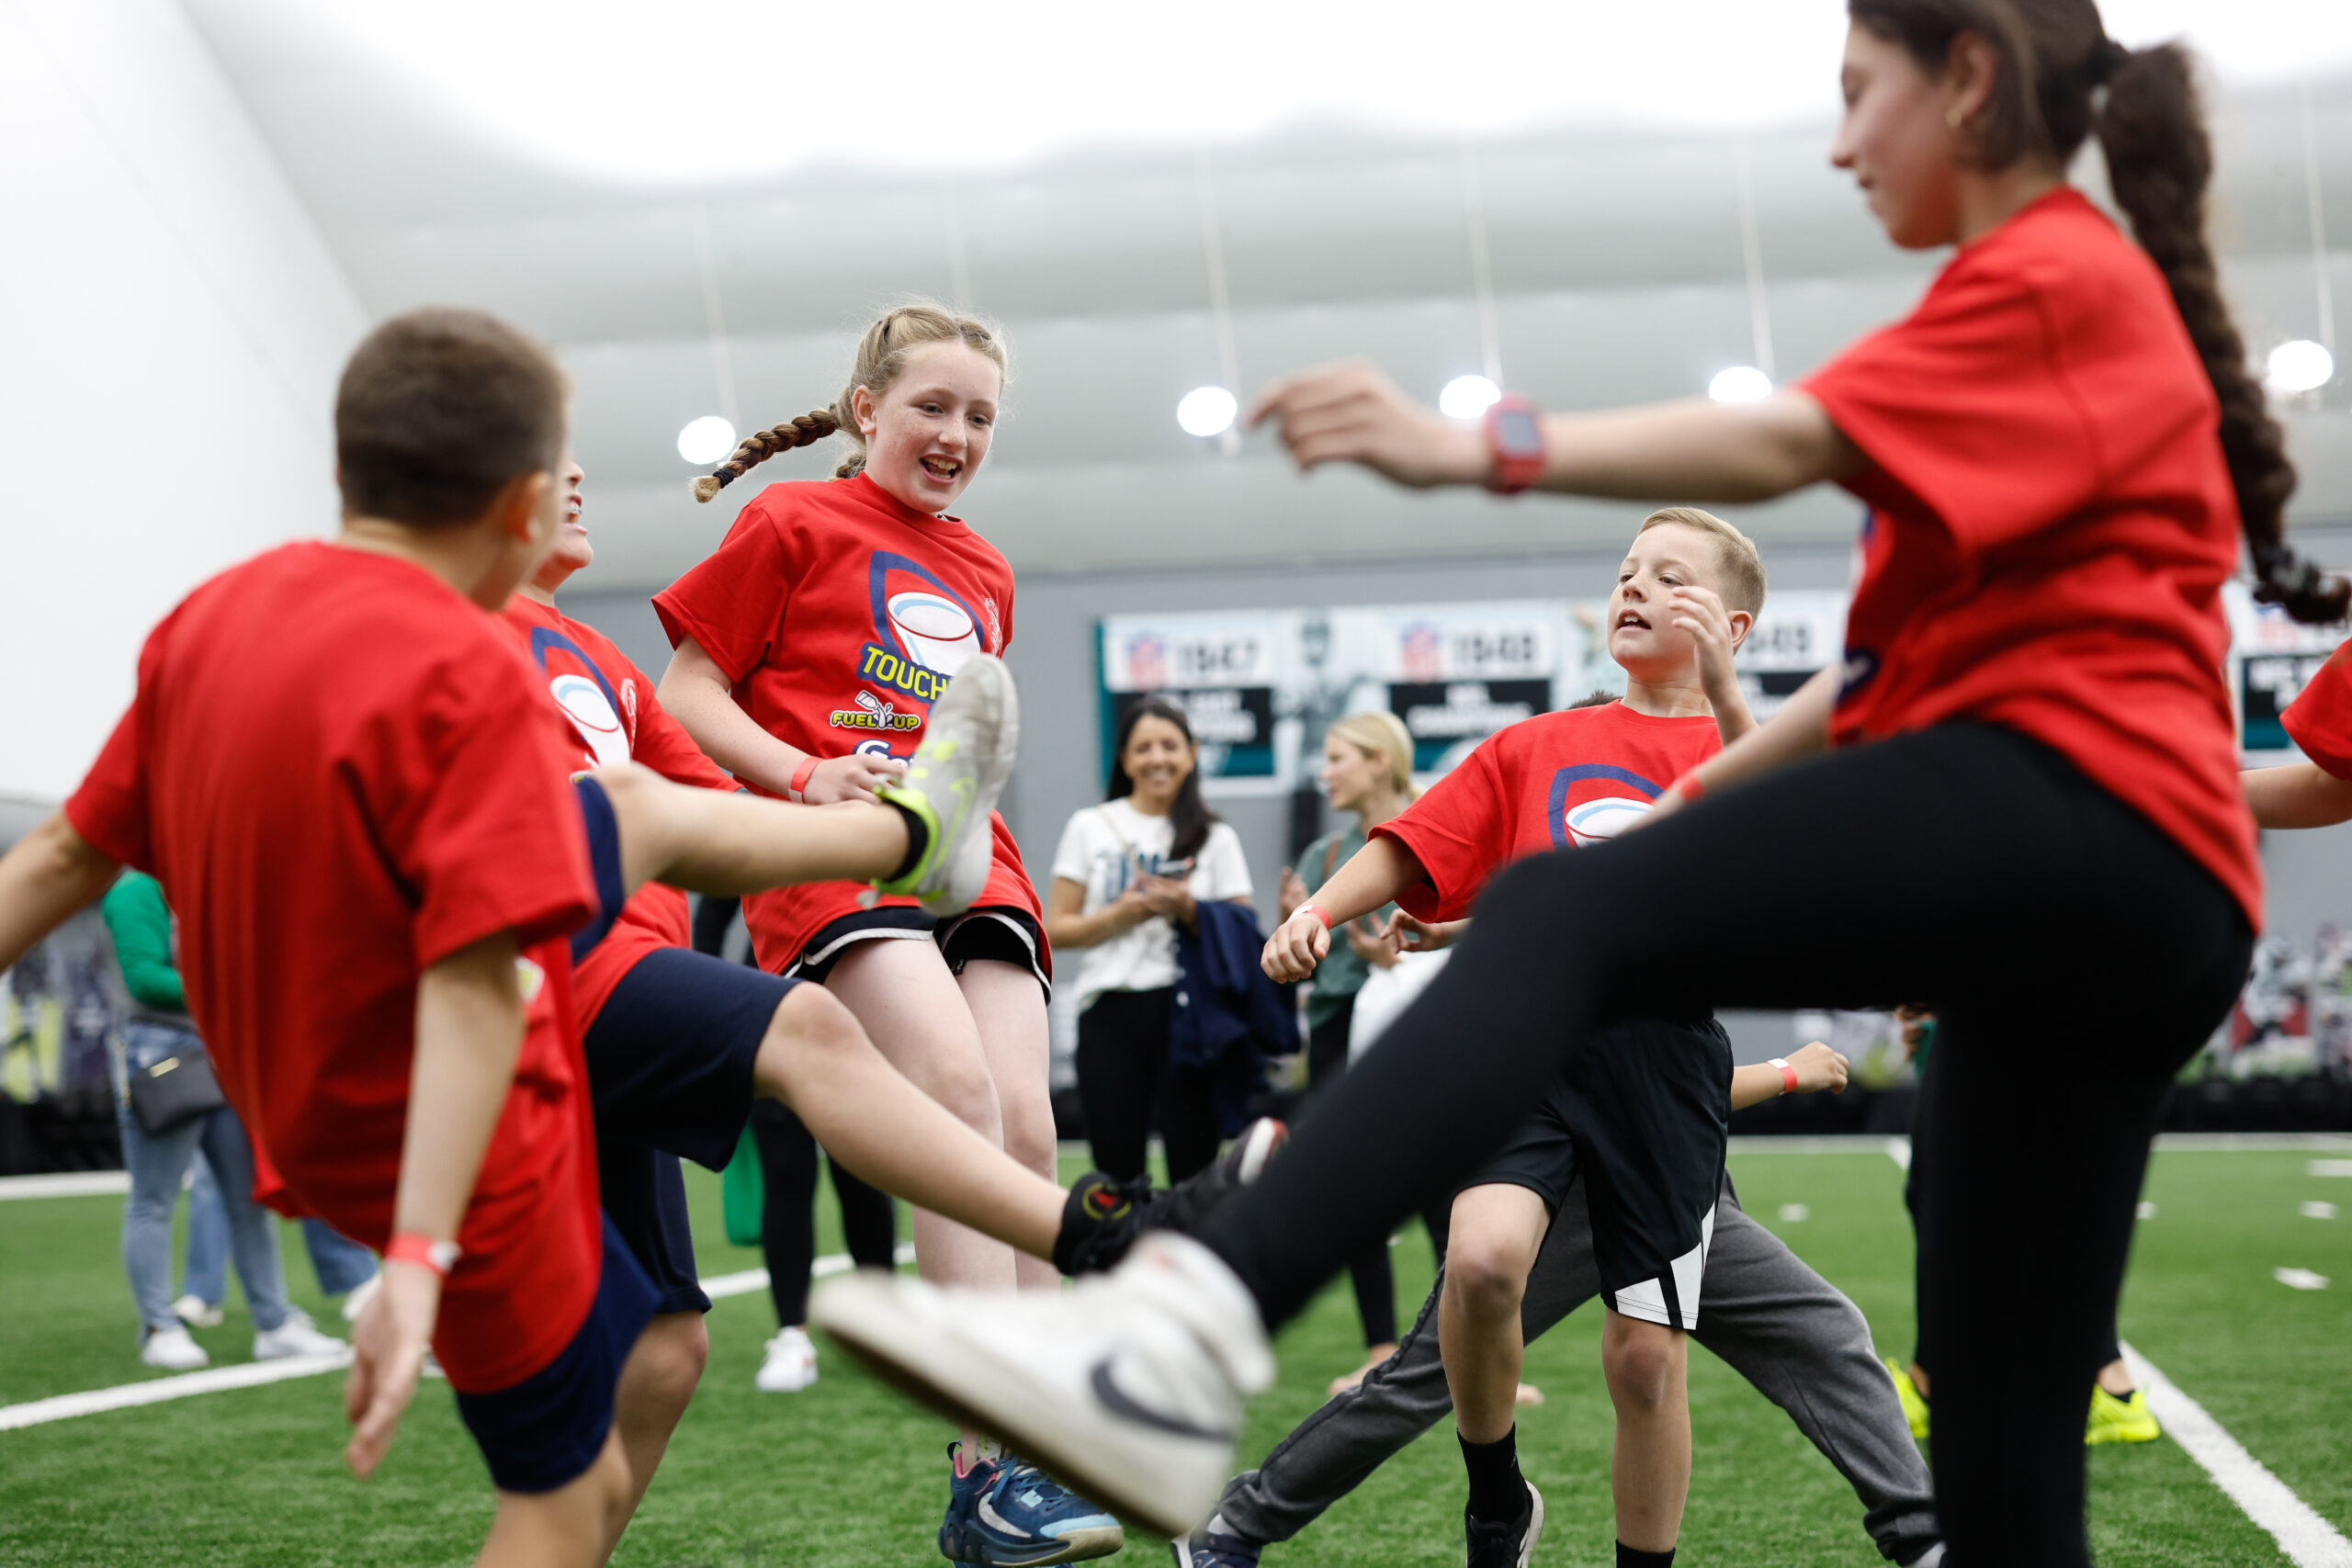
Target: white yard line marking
2309, 1540
70, 1184
2299, 1279
252, 1374
2329, 1168
1899, 1151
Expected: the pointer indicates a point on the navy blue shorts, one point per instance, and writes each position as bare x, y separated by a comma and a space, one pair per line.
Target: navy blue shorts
603, 860
645, 1201
545, 1432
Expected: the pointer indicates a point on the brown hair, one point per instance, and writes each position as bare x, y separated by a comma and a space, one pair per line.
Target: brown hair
2053, 57
1377, 730
1743, 582
439, 411
882, 355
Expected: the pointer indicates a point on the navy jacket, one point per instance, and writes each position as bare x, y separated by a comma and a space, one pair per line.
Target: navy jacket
1229, 1018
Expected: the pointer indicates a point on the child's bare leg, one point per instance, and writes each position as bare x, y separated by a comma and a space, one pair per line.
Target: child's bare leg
1008, 1006
1650, 1471
657, 1382
572, 1527
706, 842
1496, 1231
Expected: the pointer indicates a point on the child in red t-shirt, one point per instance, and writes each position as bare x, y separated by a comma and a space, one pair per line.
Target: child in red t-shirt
810, 647
2063, 452
1641, 1118
2317, 791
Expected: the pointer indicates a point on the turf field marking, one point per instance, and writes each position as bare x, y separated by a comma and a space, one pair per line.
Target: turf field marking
70, 1184
2331, 1168
1898, 1149
2315, 1210
2299, 1279
2309, 1540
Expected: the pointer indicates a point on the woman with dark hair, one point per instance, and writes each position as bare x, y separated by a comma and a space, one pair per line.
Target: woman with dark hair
1129, 871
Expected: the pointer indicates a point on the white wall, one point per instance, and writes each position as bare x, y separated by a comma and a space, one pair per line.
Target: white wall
171, 329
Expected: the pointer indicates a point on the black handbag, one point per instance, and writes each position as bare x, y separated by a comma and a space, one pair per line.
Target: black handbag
175, 1092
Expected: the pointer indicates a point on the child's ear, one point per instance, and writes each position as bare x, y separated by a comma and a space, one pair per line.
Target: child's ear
861, 408
1742, 622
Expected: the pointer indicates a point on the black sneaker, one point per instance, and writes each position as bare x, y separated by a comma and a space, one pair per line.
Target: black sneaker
1102, 1217
1213, 1545
1505, 1543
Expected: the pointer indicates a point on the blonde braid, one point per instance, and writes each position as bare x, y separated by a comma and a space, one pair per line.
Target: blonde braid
762, 444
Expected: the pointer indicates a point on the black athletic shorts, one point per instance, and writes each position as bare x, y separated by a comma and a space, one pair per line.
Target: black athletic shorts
997, 932
545, 1431
670, 1056
1642, 1116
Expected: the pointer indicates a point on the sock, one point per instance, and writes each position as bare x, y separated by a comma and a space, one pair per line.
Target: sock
918, 841
1628, 1558
1496, 1490
2125, 1396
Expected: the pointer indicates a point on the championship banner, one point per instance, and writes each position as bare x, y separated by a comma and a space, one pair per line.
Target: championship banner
1222, 669
1455, 674
1799, 634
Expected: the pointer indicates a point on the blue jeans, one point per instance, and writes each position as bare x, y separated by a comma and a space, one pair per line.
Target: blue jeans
204, 1267
157, 1165
342, 1264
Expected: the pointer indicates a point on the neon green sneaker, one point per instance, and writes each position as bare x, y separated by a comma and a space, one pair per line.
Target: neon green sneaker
1914, 1407
2117, 1420
952, 783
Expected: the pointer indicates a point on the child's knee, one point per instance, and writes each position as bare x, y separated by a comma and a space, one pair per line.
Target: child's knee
1485, 1274
674, 1351
1641, 1360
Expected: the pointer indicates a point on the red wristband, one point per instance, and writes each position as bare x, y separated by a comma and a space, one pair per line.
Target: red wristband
409, 1246
1319, 912
1688, 787
800, 777
1788, 1074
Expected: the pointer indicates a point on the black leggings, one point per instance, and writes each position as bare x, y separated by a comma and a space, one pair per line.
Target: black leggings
2076, 957
1369, 1270
1123, 1077
789, 1214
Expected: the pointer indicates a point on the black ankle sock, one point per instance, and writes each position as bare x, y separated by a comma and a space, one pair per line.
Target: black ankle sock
1628, 1558
918, 841
1496, 1490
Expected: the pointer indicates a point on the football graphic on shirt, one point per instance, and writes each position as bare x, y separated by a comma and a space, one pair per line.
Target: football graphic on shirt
1593, 820
1592, 802
936, 632
591, 712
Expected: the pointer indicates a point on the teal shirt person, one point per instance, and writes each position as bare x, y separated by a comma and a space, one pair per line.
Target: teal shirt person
1341, 974
140, 924
1367, 773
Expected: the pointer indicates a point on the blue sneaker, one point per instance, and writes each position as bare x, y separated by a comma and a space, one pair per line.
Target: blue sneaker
1002, 1513
1214, 1546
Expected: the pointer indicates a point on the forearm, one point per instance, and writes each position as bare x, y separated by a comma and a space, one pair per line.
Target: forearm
1074, 930
1733, 718
1799, 730
1372, 879
1755, 1083
468, 1034
2300, 795
1696, 449
50, 873
698, 696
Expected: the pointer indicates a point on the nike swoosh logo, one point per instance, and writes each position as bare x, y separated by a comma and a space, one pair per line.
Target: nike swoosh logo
1115, 1400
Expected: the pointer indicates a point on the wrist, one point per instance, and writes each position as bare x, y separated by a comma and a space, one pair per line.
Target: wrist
1788, 1074
1516, 455
1317, 911
797, 789
423, 1251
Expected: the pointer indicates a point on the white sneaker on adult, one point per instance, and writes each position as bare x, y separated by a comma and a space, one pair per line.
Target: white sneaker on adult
1128, 1386
969, 741
298, 1336
791, 1363
172, 1350
195, 1312
361, 1294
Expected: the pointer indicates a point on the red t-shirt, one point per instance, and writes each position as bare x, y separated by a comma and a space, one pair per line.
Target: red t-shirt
839, 614
615, 717
342, 774
2051, 523
2320, 718
1552, 782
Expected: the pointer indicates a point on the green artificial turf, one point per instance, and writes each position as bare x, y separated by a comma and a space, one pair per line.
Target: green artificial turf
846, 1474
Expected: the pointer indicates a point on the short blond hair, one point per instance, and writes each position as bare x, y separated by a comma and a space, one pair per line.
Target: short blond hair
1743, 584
1376, 730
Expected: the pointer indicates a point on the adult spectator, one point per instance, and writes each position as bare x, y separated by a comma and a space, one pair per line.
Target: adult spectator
157, 1029
1127, 874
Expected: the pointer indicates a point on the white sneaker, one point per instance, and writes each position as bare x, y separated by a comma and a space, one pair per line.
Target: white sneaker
197, 1313
298, 1336
1128, 1386
172, 1350
361, 1294
952, 783
791, 1365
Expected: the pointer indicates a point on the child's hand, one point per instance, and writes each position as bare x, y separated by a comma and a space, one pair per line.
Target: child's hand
1699, 610
1298, 945
1407, 933
1352, 413
1292, 893
1373, 950
1818, 1067
853, 777
1167, 896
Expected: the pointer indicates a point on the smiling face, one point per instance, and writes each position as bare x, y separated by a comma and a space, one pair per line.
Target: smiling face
1159, 759
926, 435
1643, 637
573, 549
1897, 140
1351, 773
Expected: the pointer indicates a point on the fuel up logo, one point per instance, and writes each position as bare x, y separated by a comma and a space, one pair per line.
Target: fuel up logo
872, 713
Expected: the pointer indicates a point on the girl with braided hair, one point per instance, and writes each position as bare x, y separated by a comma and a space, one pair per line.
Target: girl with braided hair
809, 647
2061, 453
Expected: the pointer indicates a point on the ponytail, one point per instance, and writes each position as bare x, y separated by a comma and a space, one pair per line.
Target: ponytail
2054, 56
762, 444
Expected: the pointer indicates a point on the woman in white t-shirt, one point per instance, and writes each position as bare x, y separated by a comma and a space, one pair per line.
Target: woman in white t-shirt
1129, 871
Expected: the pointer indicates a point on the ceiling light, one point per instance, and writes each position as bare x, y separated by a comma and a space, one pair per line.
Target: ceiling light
1467, 397
1207, 411
706, 440
1740, 384
2301, 365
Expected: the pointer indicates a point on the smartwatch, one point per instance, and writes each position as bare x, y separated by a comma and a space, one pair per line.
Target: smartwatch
1515, 442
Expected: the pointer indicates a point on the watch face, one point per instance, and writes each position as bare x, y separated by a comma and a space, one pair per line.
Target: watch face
1517, 434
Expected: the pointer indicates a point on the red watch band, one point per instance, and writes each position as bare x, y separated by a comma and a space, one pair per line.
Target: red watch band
1515, 443
409, 1246
800, 777
1319, 912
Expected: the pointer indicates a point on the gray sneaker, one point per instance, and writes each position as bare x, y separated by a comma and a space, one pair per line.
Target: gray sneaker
952, 783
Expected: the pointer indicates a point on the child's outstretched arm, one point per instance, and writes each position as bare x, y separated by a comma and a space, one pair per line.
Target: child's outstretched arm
2300, 795
1814, 1069
1380, 870
1699, 610
1799, 730
52, 872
